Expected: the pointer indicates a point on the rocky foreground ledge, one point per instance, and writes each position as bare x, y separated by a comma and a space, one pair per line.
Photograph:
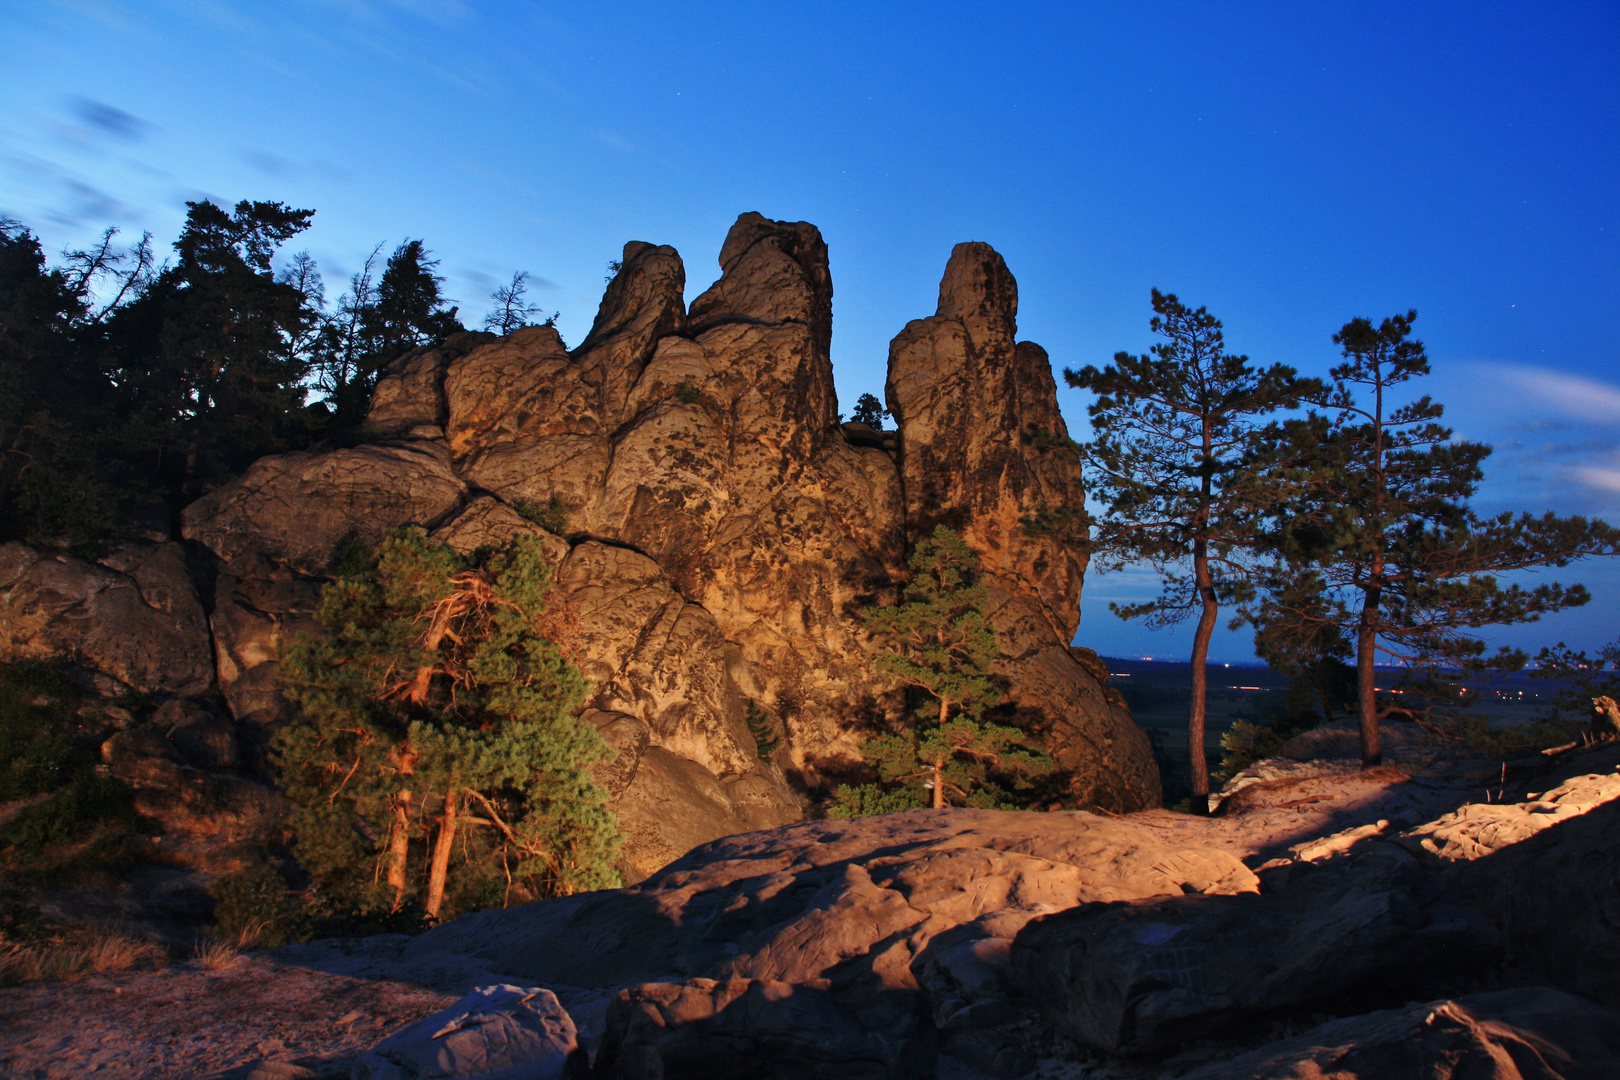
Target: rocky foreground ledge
961, 943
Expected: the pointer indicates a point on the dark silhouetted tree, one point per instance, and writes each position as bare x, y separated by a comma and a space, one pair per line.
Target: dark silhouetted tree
1176, 457
511, 310
206, 350
870, 411
1381, 549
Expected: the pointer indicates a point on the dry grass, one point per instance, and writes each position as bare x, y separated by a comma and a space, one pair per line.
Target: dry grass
219, 953
95, 951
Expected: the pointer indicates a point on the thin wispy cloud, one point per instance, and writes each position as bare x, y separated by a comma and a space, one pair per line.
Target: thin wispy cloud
271, 164
109, 119
1573, 396
1607, 479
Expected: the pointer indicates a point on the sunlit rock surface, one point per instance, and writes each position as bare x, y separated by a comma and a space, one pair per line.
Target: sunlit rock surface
715, 533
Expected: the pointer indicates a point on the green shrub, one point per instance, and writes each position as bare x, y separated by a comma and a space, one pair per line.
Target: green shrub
551, 515
76, 819
858, 800
760, 726
1246, 743
37, 751
255, 907
686, 393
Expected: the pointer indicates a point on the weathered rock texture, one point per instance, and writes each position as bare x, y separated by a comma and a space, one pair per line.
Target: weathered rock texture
880, 939
1146, 975
133, 617
715, 534
847, 905
1527, 1034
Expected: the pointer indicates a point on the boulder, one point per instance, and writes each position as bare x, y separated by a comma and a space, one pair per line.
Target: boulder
1534, 1033
410, 394
133, 617
204, 740
1480, 829
846, 905
1555, 892
494, 1033
488, 522
965, 974
297, 509
742, 1029
1144, 976
183, 799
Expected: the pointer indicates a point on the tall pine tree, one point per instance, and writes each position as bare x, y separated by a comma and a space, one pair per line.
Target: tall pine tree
939, 641
1381, 549
1175, 457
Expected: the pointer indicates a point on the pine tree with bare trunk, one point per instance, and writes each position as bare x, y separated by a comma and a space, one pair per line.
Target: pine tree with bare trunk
1379, 547
1176, 459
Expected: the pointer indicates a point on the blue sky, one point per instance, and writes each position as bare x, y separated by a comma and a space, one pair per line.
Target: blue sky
1289, 166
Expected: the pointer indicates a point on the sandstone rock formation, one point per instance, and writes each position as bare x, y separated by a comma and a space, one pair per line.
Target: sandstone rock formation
1147, 975
841, 904
134, 617
495, 1032
1505, 1035
1556, 894
715, 531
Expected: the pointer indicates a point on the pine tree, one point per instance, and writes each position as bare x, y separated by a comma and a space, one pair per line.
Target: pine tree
205, 351
1381, 549
870, 411
1176, 459
941, 642
436, 718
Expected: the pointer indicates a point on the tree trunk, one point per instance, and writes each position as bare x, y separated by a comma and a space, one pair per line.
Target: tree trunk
400, 840
1366, 685
398, 845
1200, 680
440, 866
939, 766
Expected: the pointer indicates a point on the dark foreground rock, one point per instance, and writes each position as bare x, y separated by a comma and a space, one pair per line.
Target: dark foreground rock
752, 1029
1531, 1034
845, 905
1556, 894
494, 1033
842, 914
1146, 976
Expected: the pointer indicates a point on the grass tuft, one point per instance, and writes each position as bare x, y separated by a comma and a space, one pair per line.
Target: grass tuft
217, 954
67, 958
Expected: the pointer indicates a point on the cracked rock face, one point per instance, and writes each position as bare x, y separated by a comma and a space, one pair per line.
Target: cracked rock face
843, 904
134, 616
715, 532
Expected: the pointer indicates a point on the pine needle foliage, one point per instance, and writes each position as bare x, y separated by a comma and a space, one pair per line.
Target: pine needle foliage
941, 642
1381, 552
439, 726
1177, 457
